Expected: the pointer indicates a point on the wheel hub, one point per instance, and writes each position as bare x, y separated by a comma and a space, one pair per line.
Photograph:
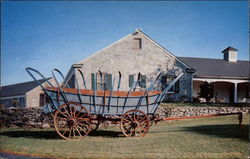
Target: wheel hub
134, 124
71, 122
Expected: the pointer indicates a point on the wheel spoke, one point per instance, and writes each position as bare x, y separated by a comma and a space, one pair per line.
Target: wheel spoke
63, 114
78, 131
130, 118
74, 112
126, 124
67, 112
127, 120
79, 112
60, 118
74, 132
84, 114
70, 129
138, 117
142, 119
71, 112
81, 128
140, 131
65, 132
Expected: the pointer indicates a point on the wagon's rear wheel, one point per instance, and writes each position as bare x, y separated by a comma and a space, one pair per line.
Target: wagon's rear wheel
72, 121
135, 123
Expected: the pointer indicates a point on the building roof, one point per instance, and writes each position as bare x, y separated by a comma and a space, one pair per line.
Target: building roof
218, 68
19, 89
230, 48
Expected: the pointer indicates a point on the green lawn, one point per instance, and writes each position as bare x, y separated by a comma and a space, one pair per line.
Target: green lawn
217, 137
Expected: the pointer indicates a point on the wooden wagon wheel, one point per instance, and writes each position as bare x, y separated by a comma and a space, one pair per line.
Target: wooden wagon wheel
135, 123
72, 121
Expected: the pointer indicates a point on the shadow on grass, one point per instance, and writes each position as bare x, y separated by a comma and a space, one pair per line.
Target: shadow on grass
106, 133
222, 131
31, 134
53, 135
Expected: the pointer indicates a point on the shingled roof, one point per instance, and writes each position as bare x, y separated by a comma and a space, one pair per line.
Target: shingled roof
218, 68
230, 48
19, 89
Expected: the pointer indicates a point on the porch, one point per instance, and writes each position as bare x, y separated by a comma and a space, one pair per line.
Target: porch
225, 90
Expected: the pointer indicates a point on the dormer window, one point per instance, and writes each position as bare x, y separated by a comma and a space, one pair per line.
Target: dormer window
137, 44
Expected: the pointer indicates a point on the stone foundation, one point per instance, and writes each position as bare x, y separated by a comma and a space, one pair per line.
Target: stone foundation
35, 118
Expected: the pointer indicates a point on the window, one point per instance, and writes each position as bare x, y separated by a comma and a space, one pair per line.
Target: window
166, 80
130, 80
137, 43
15, 102
43, 100
141, 82
103, 82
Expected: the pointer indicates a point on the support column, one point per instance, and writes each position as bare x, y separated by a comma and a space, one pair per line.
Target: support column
235, 93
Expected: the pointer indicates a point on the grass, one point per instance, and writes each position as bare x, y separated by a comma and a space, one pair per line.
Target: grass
217, 137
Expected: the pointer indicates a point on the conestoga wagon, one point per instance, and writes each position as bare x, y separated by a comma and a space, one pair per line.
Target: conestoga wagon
79, 111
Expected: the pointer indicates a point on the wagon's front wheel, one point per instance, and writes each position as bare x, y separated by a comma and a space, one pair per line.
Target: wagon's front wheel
72, 121
135, 123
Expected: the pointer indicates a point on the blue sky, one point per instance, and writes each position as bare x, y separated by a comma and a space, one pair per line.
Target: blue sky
47, 35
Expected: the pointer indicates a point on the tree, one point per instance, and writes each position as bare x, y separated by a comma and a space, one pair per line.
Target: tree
206, 91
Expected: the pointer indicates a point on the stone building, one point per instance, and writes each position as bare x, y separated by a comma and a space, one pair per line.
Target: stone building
130, 55
137, 52
23, 95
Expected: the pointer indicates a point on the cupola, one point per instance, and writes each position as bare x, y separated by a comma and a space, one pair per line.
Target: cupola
230, 54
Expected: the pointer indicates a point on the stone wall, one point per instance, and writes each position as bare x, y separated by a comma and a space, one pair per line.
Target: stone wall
198, 111
26, 118
35, 118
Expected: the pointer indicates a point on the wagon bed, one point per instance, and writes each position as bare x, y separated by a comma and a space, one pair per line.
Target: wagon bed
107, 102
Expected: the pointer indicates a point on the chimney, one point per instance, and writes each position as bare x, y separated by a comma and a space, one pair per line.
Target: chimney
230, 54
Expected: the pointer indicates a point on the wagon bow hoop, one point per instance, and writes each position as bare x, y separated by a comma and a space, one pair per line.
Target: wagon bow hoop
64, 95
29, 70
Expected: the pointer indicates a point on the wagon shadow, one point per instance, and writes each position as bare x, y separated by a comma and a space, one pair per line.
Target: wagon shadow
106, 133
39, 134
31, 134
221, 131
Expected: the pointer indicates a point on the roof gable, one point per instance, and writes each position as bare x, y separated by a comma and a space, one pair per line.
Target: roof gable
145, 36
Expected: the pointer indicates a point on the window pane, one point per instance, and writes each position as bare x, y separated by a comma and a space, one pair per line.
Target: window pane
93, 81
131, 80
108, 81
143, 81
